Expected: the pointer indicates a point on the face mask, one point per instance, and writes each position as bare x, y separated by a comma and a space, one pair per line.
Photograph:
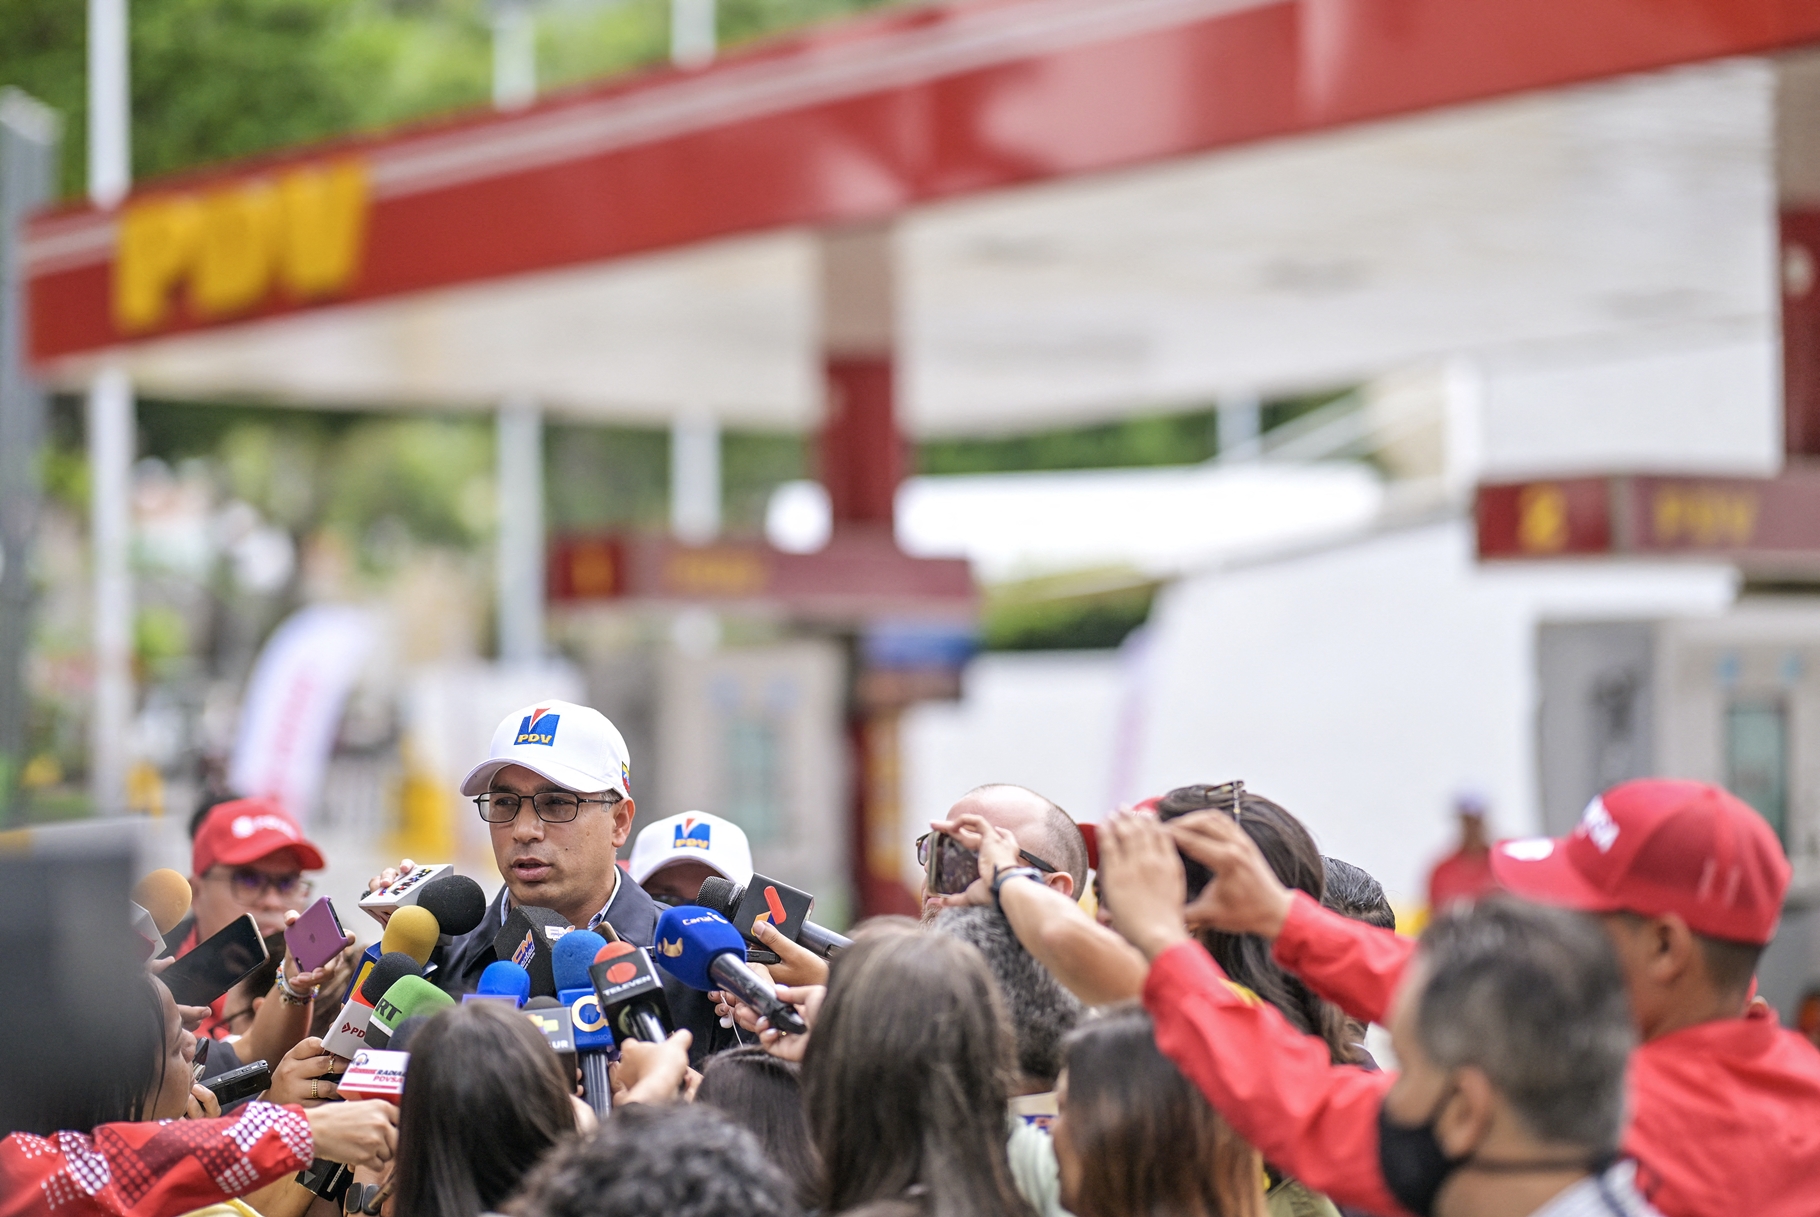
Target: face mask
1412, 1160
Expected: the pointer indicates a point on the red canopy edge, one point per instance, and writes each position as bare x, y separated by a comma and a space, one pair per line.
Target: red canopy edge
861, 120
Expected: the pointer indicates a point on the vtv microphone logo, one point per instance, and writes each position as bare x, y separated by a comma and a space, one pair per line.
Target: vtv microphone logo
538, 727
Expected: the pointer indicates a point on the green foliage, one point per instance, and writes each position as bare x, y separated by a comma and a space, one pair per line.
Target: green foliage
599, 478
214, 79
1086, 611
1163, 439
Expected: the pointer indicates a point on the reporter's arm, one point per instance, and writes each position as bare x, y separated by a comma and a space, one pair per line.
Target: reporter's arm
257, 1146
1355, 966
1092, 962
283, 1020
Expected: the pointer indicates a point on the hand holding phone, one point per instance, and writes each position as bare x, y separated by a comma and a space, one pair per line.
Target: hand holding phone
316, 937
217, 965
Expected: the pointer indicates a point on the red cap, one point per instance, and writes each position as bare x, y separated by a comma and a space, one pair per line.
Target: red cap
246, 830
1652, 847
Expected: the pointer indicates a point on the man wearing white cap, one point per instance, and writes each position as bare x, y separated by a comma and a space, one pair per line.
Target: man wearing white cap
556, 794
674, 856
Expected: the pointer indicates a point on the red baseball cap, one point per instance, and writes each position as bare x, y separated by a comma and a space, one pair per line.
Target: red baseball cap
1652, 847
246, 830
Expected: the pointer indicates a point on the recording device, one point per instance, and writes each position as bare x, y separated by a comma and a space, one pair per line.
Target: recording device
413, 931
216, 966
405, 890
409, 995
316, 937
702, 949
456, 902
953, 868
143, 925
1185, 800
630, 994
504, 980
350, 1033
328, 1180
241, 1083
527, 939
570, 959
786, 907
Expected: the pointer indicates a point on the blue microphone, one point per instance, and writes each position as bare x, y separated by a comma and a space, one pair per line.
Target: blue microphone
702, 949
505, 979
570, 959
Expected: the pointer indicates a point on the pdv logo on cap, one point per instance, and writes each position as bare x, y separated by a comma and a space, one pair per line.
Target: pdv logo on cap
538, 727
693, 834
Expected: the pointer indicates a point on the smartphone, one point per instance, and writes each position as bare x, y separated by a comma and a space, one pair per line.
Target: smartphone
241, 1083
952, 866
316, 936
217, 965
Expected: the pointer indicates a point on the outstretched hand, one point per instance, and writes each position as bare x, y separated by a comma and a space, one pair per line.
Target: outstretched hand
1142, 882
997, 850
1245, 897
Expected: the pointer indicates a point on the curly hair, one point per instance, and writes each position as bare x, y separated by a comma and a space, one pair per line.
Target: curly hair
658, 1162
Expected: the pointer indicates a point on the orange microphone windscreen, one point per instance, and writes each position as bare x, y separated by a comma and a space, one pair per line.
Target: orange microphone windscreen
164, 894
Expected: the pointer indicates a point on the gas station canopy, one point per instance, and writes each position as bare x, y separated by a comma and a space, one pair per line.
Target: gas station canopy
1069, 248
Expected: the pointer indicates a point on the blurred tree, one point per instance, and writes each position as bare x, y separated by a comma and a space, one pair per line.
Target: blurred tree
214, 79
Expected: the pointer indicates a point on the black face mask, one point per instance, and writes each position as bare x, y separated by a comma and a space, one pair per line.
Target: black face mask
1412, 1160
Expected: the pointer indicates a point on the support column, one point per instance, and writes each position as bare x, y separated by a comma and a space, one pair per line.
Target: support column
111, 430
514, 55
29, 136
861, 462
695, 477
862, 458
520, 563
1241, 428
693, 37
110, 465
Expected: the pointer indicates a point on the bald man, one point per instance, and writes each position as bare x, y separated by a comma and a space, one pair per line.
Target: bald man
1046, 837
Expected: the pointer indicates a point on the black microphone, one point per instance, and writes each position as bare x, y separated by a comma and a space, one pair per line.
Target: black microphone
702, 949
456, 902
786, 907
631, 996
529, 939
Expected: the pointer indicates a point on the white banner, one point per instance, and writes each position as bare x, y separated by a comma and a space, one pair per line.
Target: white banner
293, 703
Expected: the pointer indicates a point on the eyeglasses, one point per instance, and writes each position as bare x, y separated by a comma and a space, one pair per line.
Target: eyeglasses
552, 807
922, 856
249, 886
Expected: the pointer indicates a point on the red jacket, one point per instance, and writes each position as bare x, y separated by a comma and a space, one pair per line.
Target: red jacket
1725, 1115
152, 1169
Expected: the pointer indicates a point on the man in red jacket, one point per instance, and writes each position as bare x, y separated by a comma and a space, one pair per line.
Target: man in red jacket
1688, 883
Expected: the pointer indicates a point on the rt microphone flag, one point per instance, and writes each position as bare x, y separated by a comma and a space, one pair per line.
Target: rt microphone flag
702, 949
411, 995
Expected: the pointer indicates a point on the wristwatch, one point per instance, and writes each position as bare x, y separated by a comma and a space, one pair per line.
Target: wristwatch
1011, 872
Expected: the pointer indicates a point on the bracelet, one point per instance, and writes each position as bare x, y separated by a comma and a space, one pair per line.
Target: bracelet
290, 996
1011, 872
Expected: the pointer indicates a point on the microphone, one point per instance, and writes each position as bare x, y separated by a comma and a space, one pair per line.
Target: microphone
165, 896
702, 949
456, 902
569, 961
785, 907
504, 980
412, 931
350, 1033
411, 995
629, 993
552, 1018
527, 938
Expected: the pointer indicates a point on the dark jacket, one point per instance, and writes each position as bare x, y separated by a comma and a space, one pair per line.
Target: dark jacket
633, 914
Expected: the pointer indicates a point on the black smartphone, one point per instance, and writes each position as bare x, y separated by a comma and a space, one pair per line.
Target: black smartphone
241, 1083
952, 866
217, 965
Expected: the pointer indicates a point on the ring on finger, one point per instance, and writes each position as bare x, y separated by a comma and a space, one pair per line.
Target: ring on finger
313, 1094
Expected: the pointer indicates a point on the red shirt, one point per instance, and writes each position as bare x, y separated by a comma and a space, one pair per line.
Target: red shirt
152, 1169
1460, 876
1725, 1115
